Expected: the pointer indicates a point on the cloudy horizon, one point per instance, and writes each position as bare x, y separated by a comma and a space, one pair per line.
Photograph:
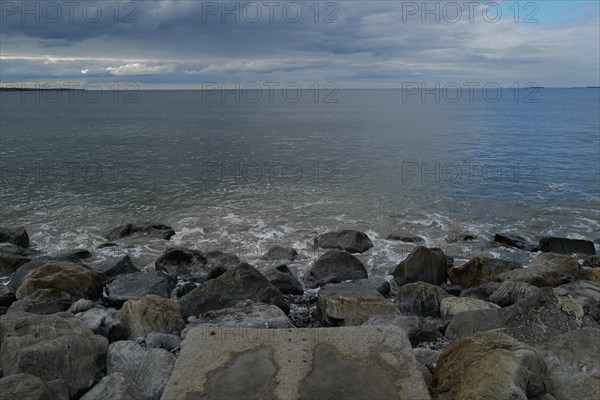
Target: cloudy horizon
354, 44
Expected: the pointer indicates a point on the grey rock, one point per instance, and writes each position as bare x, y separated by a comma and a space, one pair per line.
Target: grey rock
354, 363
550, 244
73, 254
241, 283
57, 346
516, 241
423, 264
150, 313
184, 263
154, 372
405, 237
280, 253
420, 298
349, 240
509, 292
482, 292
116, 386
25, 270
547, 270
10, 262
217, 258
338, 264
132, 286
451, 306
125, 357
141, 229
43, 302
283, 279
123, 266
28, 387
16, 236
427, 356
105, 322
418, 329
591, 262
81, 305
351, 305
378, 283
163, 341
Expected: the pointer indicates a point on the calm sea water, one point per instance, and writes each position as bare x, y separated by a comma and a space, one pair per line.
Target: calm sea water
229, 171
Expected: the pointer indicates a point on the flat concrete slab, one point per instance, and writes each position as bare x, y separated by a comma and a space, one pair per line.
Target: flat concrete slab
354, 363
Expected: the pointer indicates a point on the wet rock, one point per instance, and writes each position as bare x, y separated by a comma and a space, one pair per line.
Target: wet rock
471, 274
132, 286
57, 346
482, 292
351, 305
72, 254
7, 296
243, 282
463, 237
29, 387
351, 363
339, 265
509, 292
418, 329
182, 262
43, 302
420, 298
349, 240
150, 313
572, 364
489, 365
164, 341
116, 386
423, 264
75, 279
558, 245
105, 322
405, 237
451, 306
16, 236
123, 266
284, 280
548, 270
516, 241
141, 229
10, 261
280, 253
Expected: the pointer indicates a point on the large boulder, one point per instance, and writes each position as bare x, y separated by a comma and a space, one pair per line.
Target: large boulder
548, 269
348, 240
57, 346
339, 265
572, 362
159, 231
132, 286
489, 365
451, 306
16, 236
280, 253
351, 305
126, 357
244, 282
423, 264
534, 320
473, 273
184, 263
29, 387
284, 280
420, 298
550, 244
516, 241
418, 329
116, 386
510, 292
372, 363
123, 266
150, 313
75, 279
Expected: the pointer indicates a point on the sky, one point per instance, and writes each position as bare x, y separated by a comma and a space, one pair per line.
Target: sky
189, 44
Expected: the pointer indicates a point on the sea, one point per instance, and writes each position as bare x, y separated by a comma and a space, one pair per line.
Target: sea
243, 170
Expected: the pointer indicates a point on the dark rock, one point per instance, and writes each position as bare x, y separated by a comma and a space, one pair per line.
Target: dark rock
73, 254
378, 283
132, 286
11, 261
465, 237
150, 313
551, 244
124, 357
348, 240
42, 302
184, 263
421, 299
338, 264
25, 270
418, 329
57, 346
123, 266
16, 236
471, 274
516, 241
452, 289
509, 292
405, 237
489, 365
159, 231
75, 279
164, 341
548, 269
351, 305
106, 244
284, 280
116, 386
185, 289
280, 253
423, 264
241, 283
105, 322
29, 387
7, 296
482, 292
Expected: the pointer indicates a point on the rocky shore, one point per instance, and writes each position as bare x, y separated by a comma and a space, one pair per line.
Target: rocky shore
211, 325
